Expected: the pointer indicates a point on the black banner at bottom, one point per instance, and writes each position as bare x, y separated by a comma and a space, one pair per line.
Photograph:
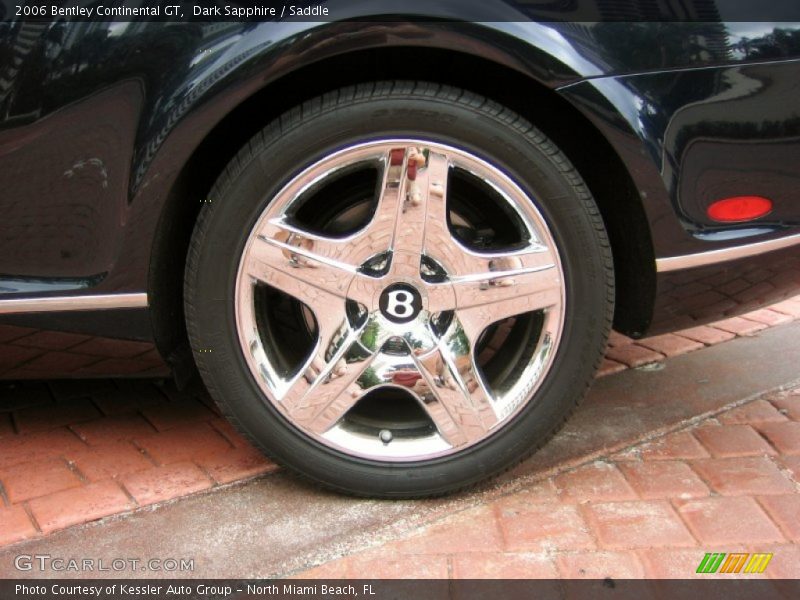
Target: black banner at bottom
383, 589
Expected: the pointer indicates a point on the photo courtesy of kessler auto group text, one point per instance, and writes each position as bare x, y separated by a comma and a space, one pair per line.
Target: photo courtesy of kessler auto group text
424, 299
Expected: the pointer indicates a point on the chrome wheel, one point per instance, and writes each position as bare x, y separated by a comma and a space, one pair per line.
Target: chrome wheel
421, 333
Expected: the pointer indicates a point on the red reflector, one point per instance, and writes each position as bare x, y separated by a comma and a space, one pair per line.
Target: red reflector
739, 208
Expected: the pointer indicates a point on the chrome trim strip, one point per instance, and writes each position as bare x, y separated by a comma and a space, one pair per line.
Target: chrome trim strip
72, 303
701, 259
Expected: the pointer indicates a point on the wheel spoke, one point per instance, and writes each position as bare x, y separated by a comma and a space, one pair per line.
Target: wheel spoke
305, 259
438, 241
327, 388
423, 190
383, 225
424, 296
502, 285
456, 398
298, 263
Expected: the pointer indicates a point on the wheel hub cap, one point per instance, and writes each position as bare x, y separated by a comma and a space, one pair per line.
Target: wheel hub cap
400, 303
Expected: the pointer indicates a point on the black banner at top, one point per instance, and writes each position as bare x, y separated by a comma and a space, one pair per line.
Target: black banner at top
389, 10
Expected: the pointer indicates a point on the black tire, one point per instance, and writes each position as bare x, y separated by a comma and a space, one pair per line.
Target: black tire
450, 116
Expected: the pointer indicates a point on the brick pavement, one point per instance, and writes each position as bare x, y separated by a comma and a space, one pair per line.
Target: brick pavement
77, 451
27, 353
727, 484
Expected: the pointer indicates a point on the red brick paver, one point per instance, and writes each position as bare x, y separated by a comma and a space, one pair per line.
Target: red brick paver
733, 440
785, 564
633, 355
617, 339
392, 566
792, 466
79, 505
177, 414
707, 335
163, 483
236, 464
790, 307
42, 418
769, 317
785, 512
15, 525
110, 460
645, 524
789, 406
747, 476
31, 448
609, 367
676, 445
597, 482
670, 344
600, 565
31, 480
671, 563
190, 442
726, 521
536, 527
483, 535
756, 412
658, 479
784, 436
503, 566
740, 326
113, 429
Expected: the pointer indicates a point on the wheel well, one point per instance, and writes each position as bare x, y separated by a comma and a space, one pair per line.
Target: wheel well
592, 155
